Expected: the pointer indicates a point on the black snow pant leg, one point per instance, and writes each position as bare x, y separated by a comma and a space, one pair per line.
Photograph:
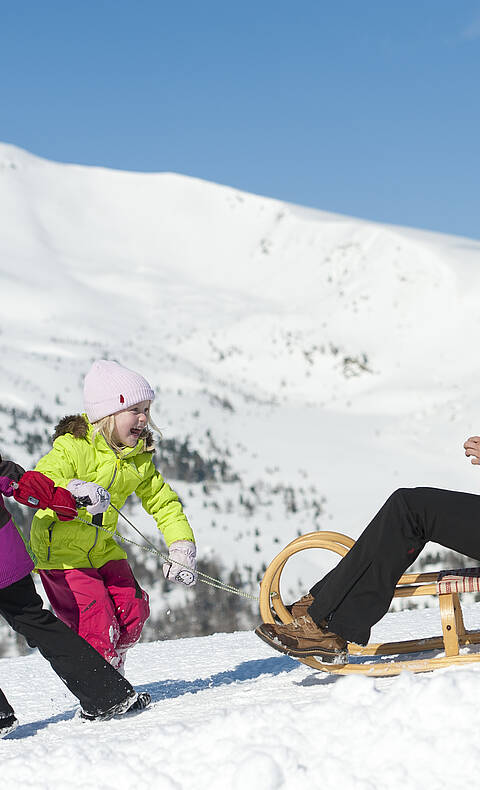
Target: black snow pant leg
5, 707
358, 592
95, 683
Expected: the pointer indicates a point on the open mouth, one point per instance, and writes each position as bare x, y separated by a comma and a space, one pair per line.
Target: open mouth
136, 432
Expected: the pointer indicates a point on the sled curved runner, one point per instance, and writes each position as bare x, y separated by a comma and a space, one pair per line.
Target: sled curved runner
445, 584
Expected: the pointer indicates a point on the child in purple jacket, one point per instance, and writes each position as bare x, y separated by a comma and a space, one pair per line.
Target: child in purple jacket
101, 690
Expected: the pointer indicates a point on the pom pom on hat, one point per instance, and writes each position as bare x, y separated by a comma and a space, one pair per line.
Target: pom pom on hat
109, 388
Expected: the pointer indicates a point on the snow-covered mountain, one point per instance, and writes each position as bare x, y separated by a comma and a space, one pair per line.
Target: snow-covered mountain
306, 363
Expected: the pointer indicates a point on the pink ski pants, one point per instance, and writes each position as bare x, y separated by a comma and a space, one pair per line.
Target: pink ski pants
106, 606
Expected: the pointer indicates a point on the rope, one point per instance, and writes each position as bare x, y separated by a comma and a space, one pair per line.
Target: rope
205, 578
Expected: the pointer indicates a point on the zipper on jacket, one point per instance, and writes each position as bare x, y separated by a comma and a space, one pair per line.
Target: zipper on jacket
50, 530
92, 547
114, 475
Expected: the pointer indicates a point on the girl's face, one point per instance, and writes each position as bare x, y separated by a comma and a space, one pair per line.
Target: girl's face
130, 422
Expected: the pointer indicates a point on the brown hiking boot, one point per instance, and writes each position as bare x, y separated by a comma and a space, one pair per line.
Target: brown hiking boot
303, 638
299, 608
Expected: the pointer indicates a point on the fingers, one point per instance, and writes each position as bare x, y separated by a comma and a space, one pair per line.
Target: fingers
472, 448
472, 439
476, 456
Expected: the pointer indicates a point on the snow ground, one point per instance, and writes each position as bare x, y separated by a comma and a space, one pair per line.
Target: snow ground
229, 712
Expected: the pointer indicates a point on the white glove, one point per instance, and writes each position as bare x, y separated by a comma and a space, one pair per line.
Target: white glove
180, 554
90, 495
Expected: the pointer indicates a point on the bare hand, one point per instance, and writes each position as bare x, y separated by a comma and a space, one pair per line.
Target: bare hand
472, 448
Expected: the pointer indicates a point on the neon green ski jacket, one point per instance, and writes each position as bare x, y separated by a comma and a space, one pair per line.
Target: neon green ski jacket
73, 544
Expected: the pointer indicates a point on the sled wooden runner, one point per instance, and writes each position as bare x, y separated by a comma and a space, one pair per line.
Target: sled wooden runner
447, 585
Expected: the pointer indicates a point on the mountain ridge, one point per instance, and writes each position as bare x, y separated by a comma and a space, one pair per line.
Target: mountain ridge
327, 362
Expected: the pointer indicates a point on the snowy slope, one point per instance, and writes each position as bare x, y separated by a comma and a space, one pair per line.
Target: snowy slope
229, 712
325, 359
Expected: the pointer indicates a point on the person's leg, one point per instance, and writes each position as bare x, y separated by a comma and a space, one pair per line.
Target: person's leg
79, 598
8, 720
130, 602
5, 707
96, 684
358, 592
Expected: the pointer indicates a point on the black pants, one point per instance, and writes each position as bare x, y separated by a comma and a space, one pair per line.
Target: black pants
357, 593
85, 672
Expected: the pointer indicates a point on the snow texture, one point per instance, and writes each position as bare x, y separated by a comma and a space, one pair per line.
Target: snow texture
229, 712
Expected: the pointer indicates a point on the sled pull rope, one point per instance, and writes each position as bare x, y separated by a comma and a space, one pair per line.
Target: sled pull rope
206, 579
203, 577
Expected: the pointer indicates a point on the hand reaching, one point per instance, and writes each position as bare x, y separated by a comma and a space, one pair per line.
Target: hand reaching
472, 449
181, 567
38, 491
90, 495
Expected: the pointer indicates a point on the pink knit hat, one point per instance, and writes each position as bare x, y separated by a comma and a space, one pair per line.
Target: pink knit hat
109, 387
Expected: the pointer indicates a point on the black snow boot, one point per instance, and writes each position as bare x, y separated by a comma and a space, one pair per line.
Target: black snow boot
143, 701
116, 710
7, 724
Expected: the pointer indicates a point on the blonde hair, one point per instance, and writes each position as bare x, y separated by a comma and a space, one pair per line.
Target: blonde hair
106, 427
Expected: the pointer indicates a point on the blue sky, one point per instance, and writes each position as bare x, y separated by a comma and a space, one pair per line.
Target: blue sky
363, 108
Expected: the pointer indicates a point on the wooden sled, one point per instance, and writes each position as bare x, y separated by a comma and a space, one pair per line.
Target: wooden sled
445, 584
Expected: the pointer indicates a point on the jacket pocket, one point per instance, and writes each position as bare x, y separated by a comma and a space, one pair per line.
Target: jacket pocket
41, 535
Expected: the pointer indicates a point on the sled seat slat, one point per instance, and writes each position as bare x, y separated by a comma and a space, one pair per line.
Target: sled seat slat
439, 582
459, 580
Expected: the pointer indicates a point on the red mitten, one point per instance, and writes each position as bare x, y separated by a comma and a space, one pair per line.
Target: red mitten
38, 491
35, 490
64, 505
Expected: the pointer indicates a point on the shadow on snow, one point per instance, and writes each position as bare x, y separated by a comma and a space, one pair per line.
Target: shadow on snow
247, 670
169, 689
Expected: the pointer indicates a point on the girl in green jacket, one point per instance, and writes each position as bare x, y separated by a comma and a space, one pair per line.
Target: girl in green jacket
103, 456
